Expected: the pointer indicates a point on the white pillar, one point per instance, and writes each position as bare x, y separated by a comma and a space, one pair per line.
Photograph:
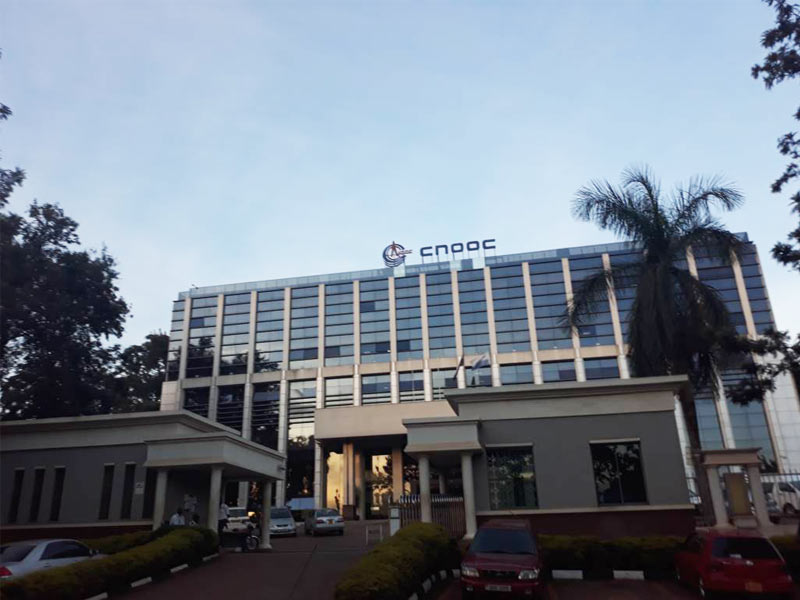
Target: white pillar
160, 499
442, 483
283, 423
265, 508
425, 488
397, 473
759, 500
348, 493
244, 493
214, 492
469, 494
361, 488
717, 501
319, 474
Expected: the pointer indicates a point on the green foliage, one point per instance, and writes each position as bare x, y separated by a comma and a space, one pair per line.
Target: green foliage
117, 543
782, 62
789, 547
115, 572
395, 568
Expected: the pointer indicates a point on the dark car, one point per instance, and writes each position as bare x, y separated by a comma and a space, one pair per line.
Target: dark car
502, 561
732, 561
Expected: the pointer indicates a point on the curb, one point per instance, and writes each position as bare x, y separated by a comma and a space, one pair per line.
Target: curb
570, 574
145, 580
426, 585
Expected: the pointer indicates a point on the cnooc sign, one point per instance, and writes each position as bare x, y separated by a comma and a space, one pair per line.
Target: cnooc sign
394, 254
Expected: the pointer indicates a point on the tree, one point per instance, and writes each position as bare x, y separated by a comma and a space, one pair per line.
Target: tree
139, 373
677, 324
59, 304
783, 62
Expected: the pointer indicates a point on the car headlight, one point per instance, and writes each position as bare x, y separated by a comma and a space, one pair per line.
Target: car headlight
529, 574
467, 571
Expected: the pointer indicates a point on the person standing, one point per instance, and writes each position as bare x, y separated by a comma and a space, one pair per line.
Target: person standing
222, 519
177, 519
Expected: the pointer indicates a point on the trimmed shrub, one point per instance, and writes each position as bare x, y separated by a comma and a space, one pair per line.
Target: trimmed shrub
396, 567
115, 572
789, 547
117, 543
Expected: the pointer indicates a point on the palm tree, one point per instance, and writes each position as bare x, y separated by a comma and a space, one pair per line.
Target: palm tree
676, 323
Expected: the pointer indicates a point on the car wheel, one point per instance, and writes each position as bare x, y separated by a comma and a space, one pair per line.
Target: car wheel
789, 510
701, 588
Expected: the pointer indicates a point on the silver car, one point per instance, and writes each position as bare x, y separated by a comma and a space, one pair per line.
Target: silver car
324, 520
21, 558
281, 522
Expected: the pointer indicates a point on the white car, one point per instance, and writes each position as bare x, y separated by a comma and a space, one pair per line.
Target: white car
785, 494
238, 519
281, 522
21, 558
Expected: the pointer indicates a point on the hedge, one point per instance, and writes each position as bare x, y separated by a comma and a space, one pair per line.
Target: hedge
396, 567
170, 547
117, 543
653, 555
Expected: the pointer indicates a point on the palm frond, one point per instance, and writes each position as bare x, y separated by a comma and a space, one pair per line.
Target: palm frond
593, 291
701, 194
612, 208
709, 234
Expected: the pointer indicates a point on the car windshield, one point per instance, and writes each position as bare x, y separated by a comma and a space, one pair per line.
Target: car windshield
280, 513
327, 512
503, 541
743, 547
14, 553
237, 512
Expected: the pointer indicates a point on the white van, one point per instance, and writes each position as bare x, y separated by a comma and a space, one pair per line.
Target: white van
784, 494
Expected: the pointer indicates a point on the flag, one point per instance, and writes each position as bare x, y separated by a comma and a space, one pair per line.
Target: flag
481, 361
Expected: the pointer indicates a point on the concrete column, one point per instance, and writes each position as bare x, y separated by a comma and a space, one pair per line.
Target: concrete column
160, 499
537, 372
320, 389
348, 491
717, 500
320, 329
356, 323
361, 488
251, 343
319, 474
423, 309
469, 494
622, 364
744, 300
456, 315
442, 483
214, 492
392, 324
244, 493
427, 381
283, 434
218, 335
356, 384
265, 509
423, 462
397, 473
394, 384
187, 317
247, 410
759, 499
487, 284
526, 280
576, 338
213, 400
461, 375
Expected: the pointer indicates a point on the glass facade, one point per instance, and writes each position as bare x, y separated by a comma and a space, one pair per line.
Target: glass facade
550, 305
510, 312
312, 322
374, 313
408, 315
474, 318
441, 326
269, 331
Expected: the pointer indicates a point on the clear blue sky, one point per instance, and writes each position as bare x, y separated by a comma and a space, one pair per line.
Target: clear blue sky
219, 142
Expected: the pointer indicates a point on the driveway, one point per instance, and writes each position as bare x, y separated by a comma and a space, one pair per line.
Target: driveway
297, 568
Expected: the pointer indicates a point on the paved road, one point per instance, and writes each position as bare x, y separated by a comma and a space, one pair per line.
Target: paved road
297, 568
606, 590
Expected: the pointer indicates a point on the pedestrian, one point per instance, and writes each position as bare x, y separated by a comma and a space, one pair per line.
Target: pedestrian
177, 518
222, 519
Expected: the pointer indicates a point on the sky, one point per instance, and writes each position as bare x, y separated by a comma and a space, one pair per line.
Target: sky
206, 143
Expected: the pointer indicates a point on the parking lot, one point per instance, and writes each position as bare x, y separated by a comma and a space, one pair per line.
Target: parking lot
296, 568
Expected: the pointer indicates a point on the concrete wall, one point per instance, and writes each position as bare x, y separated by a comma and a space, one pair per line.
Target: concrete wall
83, 480
562, 460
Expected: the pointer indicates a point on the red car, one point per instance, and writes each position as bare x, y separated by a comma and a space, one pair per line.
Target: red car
502, 562
732, 561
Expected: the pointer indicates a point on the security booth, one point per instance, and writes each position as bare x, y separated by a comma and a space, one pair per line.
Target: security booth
100, 475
